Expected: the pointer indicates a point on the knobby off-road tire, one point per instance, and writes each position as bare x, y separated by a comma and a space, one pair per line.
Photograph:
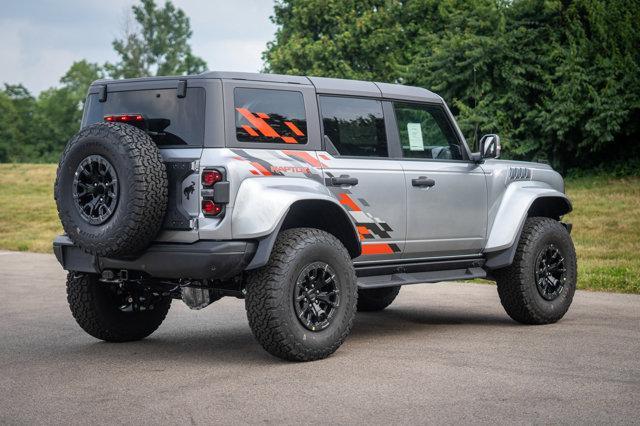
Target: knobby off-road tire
519, 292
376, 299
129, 162
274, 290
96, 308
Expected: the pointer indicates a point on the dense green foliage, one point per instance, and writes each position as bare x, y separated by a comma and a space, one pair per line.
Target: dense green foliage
36, 129
559, 80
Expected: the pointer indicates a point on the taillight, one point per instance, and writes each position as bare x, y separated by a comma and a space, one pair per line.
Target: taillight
124, 118
211, 177
215, 192
210, 208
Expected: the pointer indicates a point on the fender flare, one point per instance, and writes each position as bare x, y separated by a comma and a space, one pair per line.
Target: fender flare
262, 205
520, 200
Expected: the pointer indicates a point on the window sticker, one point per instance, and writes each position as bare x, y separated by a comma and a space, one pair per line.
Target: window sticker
414, 130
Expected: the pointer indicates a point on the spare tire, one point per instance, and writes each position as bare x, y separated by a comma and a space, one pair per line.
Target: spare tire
111, 190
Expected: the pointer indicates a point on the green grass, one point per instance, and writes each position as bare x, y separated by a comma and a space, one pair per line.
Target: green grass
28, 217
606, 222
606, 232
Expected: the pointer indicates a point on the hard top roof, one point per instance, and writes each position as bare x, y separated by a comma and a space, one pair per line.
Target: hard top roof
336, 86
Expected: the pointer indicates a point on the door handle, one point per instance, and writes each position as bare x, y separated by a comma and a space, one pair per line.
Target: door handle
343, 180
423, 182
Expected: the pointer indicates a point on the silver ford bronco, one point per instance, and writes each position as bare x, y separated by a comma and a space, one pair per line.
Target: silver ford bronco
310, 198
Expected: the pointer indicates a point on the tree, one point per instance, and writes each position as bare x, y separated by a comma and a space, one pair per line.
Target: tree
77, 80
36, 129
9, 131
58, 111
156, 44
335, 38
557, 79
17, 108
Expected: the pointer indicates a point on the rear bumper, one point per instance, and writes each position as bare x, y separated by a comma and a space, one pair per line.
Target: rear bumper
199, 260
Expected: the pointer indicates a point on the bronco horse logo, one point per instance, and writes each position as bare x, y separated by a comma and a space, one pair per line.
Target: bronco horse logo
190, 189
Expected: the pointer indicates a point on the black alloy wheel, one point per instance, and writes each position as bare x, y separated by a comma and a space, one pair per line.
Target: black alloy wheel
95, 189
550, 272
316, 296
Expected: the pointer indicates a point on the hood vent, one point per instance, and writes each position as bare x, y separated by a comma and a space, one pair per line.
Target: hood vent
519, 173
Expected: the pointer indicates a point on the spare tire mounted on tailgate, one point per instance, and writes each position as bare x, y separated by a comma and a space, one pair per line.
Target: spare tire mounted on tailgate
111, 189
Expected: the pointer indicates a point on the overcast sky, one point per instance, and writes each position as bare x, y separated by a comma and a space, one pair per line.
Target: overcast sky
42, 38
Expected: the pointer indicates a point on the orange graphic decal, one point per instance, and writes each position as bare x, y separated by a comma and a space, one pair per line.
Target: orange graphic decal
250, 130
294, 128
324, 157
376, 248
259, 123
362, 231
345, 200
261, 168
304, 156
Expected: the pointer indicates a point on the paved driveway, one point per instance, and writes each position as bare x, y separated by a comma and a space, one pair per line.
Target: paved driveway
442, 353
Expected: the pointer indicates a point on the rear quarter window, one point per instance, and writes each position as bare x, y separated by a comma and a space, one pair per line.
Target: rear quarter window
170, 121
270, 116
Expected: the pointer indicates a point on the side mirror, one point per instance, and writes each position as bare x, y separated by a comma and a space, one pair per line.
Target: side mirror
490, 146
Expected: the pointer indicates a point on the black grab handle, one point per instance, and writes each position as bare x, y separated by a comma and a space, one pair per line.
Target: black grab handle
423, 181
344, 180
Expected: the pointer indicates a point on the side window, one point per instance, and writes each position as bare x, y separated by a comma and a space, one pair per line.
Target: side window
426, 133
355, 126
270, 116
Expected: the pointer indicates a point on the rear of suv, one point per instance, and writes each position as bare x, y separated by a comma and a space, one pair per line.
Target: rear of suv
308, 197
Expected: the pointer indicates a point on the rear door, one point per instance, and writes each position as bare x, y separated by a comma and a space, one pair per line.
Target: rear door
446, 192
360, 173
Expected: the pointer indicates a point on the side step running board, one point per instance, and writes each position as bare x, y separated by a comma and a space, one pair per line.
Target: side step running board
405, 278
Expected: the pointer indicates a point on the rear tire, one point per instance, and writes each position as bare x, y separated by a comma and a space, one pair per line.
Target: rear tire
301, 304
538, 287
376, 299
99, 310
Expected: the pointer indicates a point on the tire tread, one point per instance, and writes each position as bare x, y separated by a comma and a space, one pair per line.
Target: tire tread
264, 287
513, 281
83, 302
147, 184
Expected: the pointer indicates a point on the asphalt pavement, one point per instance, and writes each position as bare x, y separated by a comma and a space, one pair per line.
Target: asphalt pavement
442, 353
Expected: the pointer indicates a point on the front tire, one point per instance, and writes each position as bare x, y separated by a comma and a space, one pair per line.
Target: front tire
112, 313
301, 305
538, 287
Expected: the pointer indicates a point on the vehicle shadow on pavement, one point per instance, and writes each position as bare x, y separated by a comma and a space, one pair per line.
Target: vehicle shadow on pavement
402, 321
232, 347
235, 344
